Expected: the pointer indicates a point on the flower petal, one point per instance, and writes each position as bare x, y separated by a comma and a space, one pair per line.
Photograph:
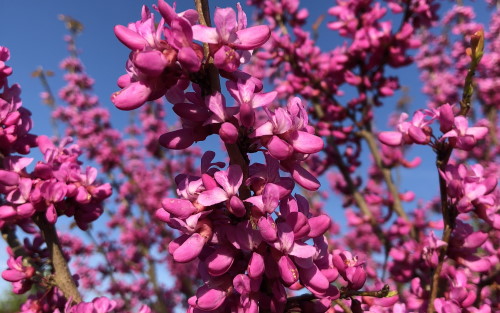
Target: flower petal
212, 196
252, 37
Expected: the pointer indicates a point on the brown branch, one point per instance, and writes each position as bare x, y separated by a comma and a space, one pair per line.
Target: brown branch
9, 235
344, 306
294, 302
62, 276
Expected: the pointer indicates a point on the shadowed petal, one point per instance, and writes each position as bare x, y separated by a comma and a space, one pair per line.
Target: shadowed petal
189, 249
177, 139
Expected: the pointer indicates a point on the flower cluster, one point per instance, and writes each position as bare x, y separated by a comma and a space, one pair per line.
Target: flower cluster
243, 247
56, 187
239, 237
419, 130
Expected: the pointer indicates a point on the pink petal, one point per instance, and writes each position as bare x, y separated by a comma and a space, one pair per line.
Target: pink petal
191, 111
270, 197
190, 249
228, 133
417, 134
51, 214
264, 130
231, 179
478, 132
129, 38
7, 211
212, 196
227, 59
151, 63
25, 210
286, 237
178, 139
13, 275
288, 270
461, 124
302, 250
446, 118
220, 261
391, 138
279, 148
209, 299
252, 37
241, 284
314, 280
475, 263
247, 115
162, 215
205, 34
180, 208
189, 59
131, 97
475, 240
237, 207
9, 178
256, 265
304, 178
319, 225
225, 22
268, 229
298, 222
257, 202
307, 143
263, 99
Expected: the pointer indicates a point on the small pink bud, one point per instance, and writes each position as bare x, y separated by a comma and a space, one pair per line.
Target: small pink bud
228, 133
189, 249
268, 229
237, 207
391, 138
129, 38
256, 265
9, 178
319, 225
220, 260
288, 270
279, 148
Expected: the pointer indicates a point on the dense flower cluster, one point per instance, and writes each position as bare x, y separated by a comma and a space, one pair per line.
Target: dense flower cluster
238, 236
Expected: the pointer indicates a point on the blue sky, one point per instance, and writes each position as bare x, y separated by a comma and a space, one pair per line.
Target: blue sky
33, 33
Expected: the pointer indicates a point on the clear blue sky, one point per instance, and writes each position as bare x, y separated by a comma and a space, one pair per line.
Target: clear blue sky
33, 33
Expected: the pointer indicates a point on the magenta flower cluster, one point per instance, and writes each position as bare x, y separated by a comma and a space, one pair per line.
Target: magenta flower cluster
252, 233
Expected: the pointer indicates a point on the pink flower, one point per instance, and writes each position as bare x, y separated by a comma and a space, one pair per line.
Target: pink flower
464, 137
230, 38
248, 100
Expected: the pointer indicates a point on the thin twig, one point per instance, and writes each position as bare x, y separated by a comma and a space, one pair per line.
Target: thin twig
9, 235
344, 306
62, 276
